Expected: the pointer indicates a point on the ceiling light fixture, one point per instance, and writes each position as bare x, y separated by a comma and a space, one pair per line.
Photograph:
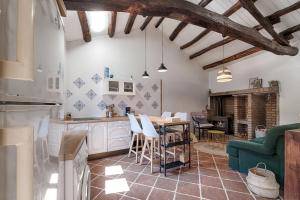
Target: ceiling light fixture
145, 74
162, 67
98, 20
224, 75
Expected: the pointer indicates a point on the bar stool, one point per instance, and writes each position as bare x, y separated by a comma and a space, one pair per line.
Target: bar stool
166, 115
151, 139
136, 133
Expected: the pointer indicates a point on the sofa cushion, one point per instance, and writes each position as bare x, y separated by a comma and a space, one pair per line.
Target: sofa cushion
232, 151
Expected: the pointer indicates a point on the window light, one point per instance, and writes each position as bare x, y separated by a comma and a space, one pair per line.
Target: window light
98, 21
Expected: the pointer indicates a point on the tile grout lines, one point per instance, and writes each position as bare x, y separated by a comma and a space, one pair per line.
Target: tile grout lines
200, 188
247, 187
220, 177
177, 182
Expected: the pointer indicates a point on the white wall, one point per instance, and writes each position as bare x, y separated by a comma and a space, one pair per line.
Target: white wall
185, 85
267, 66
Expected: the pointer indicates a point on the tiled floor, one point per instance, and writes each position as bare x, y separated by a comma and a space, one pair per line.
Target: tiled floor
209, 178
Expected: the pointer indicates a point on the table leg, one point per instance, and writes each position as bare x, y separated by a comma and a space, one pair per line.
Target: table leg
184, 137
165, 152
159, 143
189, 143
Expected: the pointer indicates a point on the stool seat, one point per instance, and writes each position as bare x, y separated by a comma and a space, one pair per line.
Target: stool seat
216, 132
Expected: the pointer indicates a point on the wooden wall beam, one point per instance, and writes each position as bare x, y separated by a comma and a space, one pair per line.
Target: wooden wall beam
186, 12
160, 20
84, 26
227, 13
249, 5
182, 25
112, 24
130, 23
286, 34
146, 22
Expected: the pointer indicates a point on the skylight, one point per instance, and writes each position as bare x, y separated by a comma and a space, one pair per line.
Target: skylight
97, 20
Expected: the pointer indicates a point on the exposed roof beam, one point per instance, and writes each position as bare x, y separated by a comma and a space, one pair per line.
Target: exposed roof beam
287, 34
130, 23
112, 24
146, 22
189, 13
62, 8
285, 11
84, 26
249, 5
274, 19
160, 20
227, 13
182, 25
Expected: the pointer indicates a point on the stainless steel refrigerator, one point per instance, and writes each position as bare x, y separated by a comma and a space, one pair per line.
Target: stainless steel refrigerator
31, 105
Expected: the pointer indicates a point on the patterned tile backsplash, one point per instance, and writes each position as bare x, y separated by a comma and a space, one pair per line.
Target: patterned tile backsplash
84, 97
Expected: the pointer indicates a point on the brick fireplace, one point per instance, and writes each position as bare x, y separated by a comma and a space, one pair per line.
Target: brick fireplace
247, 108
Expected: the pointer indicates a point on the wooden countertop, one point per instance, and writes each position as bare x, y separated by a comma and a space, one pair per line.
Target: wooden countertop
71, 144
93, 120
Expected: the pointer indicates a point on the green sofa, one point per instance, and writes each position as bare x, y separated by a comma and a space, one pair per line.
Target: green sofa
269, 149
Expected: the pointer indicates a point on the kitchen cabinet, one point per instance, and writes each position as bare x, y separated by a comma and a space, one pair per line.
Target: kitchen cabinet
118, 87
97, 138
77, 127
118, 135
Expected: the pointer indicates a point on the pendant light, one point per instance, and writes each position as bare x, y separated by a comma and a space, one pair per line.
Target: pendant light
224, 75
162, 67
145, 74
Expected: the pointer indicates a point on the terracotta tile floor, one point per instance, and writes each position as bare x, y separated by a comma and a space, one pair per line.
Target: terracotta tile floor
209, 178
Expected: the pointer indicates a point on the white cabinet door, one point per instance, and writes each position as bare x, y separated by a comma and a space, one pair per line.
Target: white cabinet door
77, 127
118, 135
97, 138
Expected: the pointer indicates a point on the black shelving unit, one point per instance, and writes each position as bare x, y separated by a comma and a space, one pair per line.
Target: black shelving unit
185, 142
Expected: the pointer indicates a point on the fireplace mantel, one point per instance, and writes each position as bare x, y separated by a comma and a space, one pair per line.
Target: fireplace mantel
264, 90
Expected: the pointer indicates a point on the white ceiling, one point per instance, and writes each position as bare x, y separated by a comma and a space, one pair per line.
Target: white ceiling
267, 7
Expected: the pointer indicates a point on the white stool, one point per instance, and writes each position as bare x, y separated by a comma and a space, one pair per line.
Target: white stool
137, 136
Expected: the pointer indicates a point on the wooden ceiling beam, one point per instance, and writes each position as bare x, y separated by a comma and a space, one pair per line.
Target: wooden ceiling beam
285, 11
227, 13
182, 25
249, 5
160, 20
274, 19
112, 24
62, 8
146, 22
130, 23
189, 13
287, 34
84, 26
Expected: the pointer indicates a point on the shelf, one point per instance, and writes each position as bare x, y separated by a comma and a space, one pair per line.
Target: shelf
173, 144
173, 164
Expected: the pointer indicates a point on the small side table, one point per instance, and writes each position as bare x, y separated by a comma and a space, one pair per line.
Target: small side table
213, 133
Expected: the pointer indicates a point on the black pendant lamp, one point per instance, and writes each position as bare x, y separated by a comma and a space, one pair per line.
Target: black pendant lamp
162, 67
145, 74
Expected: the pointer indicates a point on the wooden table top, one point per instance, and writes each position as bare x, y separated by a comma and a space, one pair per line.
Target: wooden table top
164, 122
71, 144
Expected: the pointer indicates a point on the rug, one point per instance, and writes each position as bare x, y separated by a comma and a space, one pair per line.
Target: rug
211, 148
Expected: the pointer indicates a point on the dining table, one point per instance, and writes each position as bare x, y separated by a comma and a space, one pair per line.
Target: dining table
164, 126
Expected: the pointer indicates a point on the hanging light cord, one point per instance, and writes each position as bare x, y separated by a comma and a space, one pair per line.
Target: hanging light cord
145, 49
223, 54
162, 43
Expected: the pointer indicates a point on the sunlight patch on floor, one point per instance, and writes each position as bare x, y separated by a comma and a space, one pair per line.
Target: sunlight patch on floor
113, 170
116, 185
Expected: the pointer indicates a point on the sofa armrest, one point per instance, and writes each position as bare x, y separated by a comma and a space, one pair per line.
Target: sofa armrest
250, 146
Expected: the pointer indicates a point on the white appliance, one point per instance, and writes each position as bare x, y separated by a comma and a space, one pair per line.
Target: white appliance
31, 50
